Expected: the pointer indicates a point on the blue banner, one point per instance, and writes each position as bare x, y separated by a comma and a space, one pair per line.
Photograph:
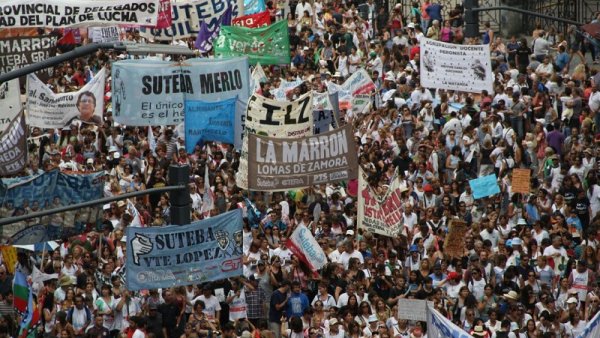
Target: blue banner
49, 191
254, 6
209, 121
484, 186
208, 250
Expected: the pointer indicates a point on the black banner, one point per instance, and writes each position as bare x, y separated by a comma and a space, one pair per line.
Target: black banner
19, 52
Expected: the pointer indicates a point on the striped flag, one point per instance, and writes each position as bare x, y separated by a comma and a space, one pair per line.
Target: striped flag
20, 292
31, 315
304, 245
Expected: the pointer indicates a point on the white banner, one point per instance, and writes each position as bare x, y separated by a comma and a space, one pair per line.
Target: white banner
440, 326
10, 102
358, 83
321, 101
274, 119
465, 68
186, 18
380, 214
104, 34
45, 109
304, 244
65, 13
413, 309
280, 94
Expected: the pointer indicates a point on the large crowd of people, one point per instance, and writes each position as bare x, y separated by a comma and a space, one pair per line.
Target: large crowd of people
530, 260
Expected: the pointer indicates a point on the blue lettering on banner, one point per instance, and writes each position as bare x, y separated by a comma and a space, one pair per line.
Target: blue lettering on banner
209, 121
307, 241
439, 326
203, 251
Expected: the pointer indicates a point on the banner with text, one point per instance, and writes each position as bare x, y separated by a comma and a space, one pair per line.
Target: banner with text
304, 245
153, 93
284, 163
64, 13
207, 250
13, 147
19, 52
465, 68
49, 191
10, 102
104, 34
186, 18
254, 6
440, 326
358, 83
253, 20
323, 121
45, 109
209, 121
380, 214
275, 119
268, 45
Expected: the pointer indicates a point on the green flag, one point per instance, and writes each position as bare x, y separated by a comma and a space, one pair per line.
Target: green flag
268, 45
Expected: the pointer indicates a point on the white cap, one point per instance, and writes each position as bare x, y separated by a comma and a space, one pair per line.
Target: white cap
517, 241
572, 300
112, 148
117, 155
350, 232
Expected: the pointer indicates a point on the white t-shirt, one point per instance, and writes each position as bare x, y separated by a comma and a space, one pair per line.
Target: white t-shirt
138, 334
212, 306
345, 257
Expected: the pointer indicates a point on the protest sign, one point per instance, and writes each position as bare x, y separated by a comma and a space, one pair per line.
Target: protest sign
209, 121
254, 6
13, 147
304, 245
63, 13
440, 326
465, 68
520, 182
454, 244
186, 18
484, 186
9, 257
412, 309
45, 109
164, 15
10, 102
323, 121
321, 101
380, 214
285, 87
288, 163
358, 83
104, 34
207, 250
253, 20
268, 45
19, 52
151, 92
361, 104
50, 190
275, 119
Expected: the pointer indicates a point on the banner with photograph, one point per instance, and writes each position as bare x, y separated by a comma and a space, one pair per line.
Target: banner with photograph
261, 19
104, 34
63, 13
292, 119
18, 52
203, 251
187, 15
380, 214
287, 163
440, 326
358, 83
304, 245
465, 68
10, 102
45, 109
153, 93
268, 45
50, 190
209, 121
13, 147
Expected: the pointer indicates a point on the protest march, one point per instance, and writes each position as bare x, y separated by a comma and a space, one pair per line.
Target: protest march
355, 169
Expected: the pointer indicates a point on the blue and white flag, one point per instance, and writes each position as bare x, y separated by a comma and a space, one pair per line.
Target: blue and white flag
207, 250
254, 6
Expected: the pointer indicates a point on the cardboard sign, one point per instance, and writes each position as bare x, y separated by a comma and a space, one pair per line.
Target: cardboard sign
454, 245
521, 181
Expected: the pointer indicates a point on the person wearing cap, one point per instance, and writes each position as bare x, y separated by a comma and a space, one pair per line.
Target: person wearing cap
517, 251
371, 328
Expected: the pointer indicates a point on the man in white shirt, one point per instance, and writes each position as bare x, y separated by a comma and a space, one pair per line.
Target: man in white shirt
490, 232
301, 7
350, 253
283, 252
212, 308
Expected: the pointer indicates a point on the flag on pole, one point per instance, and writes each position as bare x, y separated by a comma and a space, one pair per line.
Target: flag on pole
136, 219
26, 305
151, 141
20, 293
304, 245
208, 203
227, 16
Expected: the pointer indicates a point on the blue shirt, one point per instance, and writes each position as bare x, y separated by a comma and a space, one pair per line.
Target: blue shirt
296, 305
561, 60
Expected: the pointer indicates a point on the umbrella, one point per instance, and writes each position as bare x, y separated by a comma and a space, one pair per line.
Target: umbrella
38, 247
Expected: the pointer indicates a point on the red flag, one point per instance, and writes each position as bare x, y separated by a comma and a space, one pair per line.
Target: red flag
67, 39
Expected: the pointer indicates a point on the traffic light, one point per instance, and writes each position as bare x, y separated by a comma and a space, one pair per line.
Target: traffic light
471, 19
